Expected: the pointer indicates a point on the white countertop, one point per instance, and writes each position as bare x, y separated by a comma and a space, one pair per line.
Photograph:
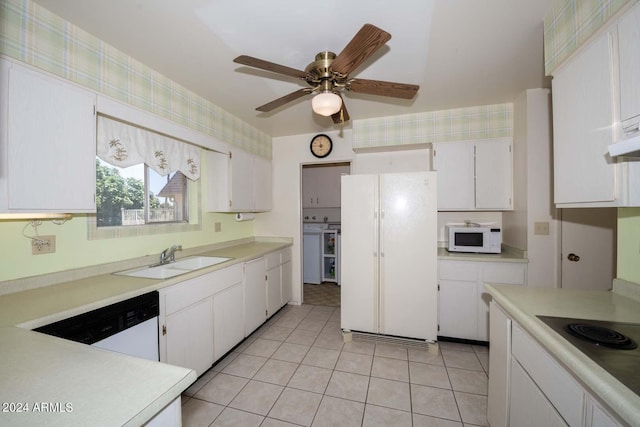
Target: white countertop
524, 303
504, 256
98, 386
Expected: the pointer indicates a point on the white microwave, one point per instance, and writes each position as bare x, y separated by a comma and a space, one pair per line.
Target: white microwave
479, 239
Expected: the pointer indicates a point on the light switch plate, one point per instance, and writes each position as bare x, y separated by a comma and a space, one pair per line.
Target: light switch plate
541, 228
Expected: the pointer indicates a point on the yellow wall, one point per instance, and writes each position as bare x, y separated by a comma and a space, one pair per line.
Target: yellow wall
629, 244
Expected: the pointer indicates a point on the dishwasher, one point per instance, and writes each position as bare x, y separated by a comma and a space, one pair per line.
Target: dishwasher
128, 327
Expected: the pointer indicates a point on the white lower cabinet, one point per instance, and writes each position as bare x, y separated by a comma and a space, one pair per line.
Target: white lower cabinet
528, 405
528, 387
278, 265
255, 295
203, 318
228, 319
463, 302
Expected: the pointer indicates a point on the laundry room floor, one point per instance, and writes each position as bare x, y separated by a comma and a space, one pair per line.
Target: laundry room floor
297, 371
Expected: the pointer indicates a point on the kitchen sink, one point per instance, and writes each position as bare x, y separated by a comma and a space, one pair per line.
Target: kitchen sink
175, 268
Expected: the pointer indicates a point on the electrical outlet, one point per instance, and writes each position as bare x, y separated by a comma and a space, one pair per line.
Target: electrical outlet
541, 228
43, 245
217, 227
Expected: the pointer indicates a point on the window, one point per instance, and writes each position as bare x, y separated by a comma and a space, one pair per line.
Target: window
138, 195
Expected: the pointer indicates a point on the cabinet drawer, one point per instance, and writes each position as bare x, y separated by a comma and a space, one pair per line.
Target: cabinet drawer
186, 293
505, 272
272, 260
563, 392
222, 279
285, 255
458, 270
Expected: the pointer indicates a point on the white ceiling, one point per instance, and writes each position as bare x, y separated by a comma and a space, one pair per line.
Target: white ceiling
462, 53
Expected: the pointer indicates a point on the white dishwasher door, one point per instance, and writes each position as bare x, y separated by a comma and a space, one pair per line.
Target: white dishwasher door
140, 340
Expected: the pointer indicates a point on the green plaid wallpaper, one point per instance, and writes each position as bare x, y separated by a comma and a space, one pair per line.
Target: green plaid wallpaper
571, 23
32, 34
487, 121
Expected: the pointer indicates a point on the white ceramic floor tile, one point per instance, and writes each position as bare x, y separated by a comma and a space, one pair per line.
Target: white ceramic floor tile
391, 351
233, 418
461, 359
311, 378
473, 408
429, 375
221, 389
296, 370
257, 397
468, 381
321, 357
276, 372
245, 365
391, 369
291, 352
426, 421
348, 386
435, 402
262, 347
196, 413
338, 412
354, 363
296, 406
390, 394
377, 416
425, 356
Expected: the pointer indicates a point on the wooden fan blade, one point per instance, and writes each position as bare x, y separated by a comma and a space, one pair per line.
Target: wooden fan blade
342, 115
382, 88
369, 39
283, 100
270, 66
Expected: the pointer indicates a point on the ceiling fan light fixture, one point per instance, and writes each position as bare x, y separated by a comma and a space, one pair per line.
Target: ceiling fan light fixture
326, 103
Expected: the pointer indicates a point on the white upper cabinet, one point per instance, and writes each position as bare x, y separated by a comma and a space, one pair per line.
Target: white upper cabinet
629, 51
321, 186
47, 143
474, 175
238, 182
596, 99
582, 131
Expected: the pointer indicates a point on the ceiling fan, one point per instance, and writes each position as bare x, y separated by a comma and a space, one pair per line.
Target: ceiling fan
328, 75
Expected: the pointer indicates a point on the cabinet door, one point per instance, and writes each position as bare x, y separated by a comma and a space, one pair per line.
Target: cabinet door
629, 50
493, 162
458, 309
287, 282
528, 405
255, 294
241, 181
454, 163
499, 366
51, 144
582, 118
189, 336
262, 184
228, 319
274, 292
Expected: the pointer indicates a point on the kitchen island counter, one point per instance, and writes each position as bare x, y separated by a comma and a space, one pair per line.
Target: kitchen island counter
523, 304
50, 381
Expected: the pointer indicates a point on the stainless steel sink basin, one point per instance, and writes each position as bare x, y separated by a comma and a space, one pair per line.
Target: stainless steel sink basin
175, 268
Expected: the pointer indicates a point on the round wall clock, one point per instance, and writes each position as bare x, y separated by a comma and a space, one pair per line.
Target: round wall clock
321, 146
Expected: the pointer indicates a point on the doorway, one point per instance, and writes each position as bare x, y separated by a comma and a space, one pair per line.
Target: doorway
321, 226
588, 243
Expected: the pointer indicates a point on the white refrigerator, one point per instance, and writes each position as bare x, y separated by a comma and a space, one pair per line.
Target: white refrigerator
389, 254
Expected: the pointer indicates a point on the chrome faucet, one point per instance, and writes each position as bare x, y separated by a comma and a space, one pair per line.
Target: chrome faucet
169, 254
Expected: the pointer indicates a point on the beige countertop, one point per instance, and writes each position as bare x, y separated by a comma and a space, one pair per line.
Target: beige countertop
524, 303
97, 386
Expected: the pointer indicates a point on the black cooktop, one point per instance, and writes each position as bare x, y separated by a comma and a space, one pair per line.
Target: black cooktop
612, 345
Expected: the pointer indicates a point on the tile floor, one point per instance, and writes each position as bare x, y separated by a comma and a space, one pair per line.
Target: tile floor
296, 371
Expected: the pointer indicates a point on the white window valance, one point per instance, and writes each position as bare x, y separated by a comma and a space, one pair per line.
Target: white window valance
123, 145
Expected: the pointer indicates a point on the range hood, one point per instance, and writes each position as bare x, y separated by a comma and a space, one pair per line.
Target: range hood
629, 147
